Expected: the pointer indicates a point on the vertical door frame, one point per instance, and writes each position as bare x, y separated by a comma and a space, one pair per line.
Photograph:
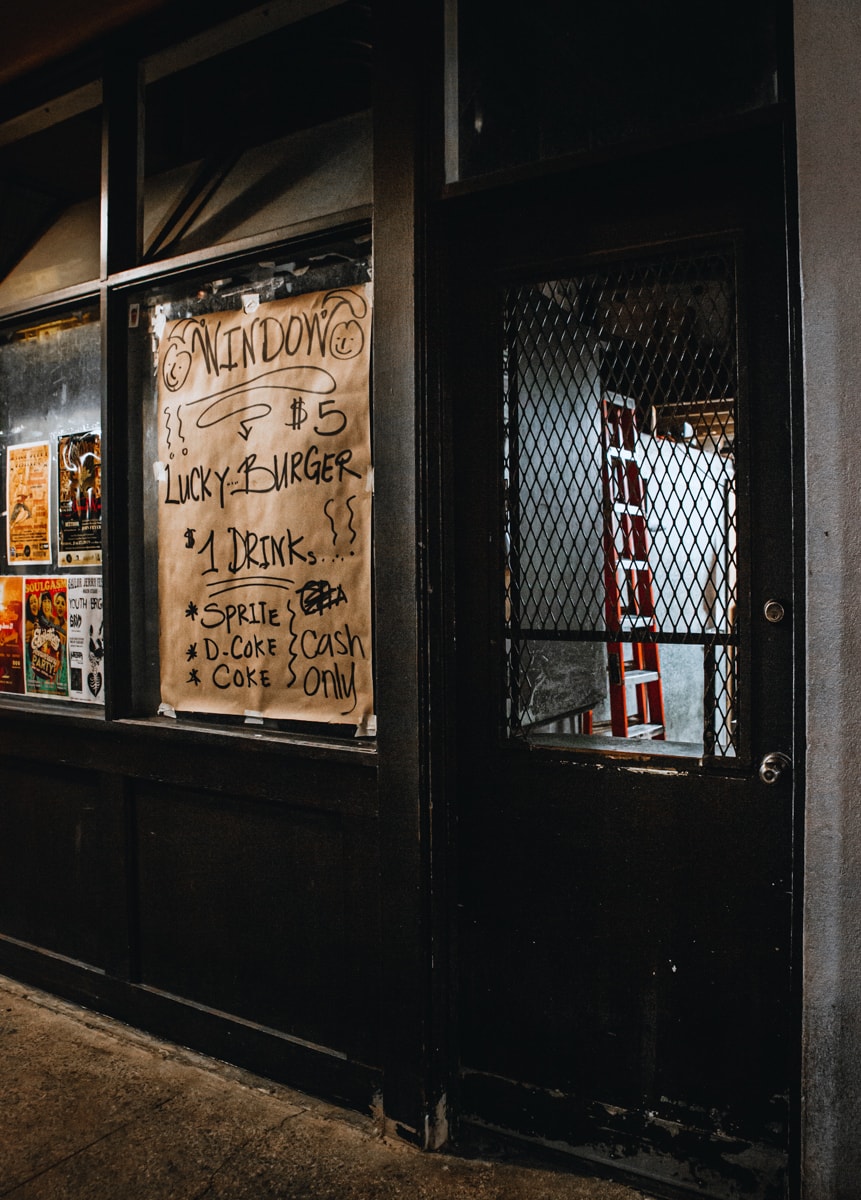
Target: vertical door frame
408, 50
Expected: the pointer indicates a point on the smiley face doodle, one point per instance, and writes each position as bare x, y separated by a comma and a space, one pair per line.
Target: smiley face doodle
175, 367
347, 340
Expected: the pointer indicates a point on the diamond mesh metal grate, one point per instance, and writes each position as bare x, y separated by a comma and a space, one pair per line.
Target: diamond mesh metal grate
619, 394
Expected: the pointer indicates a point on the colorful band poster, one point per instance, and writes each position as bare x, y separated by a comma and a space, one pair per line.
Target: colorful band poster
265, 491
46, 633
11, 633
28, 503
79, 498
86, 639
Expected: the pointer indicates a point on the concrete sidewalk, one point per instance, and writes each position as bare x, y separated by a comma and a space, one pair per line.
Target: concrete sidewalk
93, 1110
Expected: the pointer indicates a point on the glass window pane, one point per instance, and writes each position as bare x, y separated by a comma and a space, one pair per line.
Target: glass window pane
619, 466
557, 78
51, 633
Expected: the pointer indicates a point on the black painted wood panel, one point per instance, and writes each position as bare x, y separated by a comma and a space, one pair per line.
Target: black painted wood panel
244, 908
61, 880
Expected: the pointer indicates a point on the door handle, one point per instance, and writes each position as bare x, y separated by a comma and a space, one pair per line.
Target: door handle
773, 766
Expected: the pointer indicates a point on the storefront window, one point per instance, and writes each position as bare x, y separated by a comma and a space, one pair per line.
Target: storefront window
51, 631
246, 427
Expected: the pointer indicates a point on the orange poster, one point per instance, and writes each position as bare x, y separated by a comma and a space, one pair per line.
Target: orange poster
28, 503
11, 633
265, 490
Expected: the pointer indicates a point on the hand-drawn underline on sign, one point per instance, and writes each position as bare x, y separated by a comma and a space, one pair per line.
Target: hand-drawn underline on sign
221, 405
254, 581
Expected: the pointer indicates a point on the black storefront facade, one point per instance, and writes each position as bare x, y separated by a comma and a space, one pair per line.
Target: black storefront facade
486, 903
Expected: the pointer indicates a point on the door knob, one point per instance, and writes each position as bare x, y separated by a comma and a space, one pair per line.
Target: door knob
774, 611
773, 766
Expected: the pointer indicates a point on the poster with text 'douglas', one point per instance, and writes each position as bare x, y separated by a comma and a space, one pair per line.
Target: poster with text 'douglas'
265, 492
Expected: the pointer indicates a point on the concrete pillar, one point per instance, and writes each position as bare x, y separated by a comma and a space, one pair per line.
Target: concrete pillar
828, 82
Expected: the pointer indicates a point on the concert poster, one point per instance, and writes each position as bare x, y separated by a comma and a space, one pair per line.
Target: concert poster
46, 635
79, 498
86, 639
28, 503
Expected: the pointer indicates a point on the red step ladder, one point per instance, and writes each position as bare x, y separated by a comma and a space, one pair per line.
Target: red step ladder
636, 691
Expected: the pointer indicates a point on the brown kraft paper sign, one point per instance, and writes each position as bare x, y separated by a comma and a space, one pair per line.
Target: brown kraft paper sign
265, 492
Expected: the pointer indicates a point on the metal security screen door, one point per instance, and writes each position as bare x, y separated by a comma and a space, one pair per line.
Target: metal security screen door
620, 394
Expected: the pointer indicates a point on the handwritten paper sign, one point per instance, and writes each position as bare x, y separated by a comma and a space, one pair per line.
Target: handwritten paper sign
265, 494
